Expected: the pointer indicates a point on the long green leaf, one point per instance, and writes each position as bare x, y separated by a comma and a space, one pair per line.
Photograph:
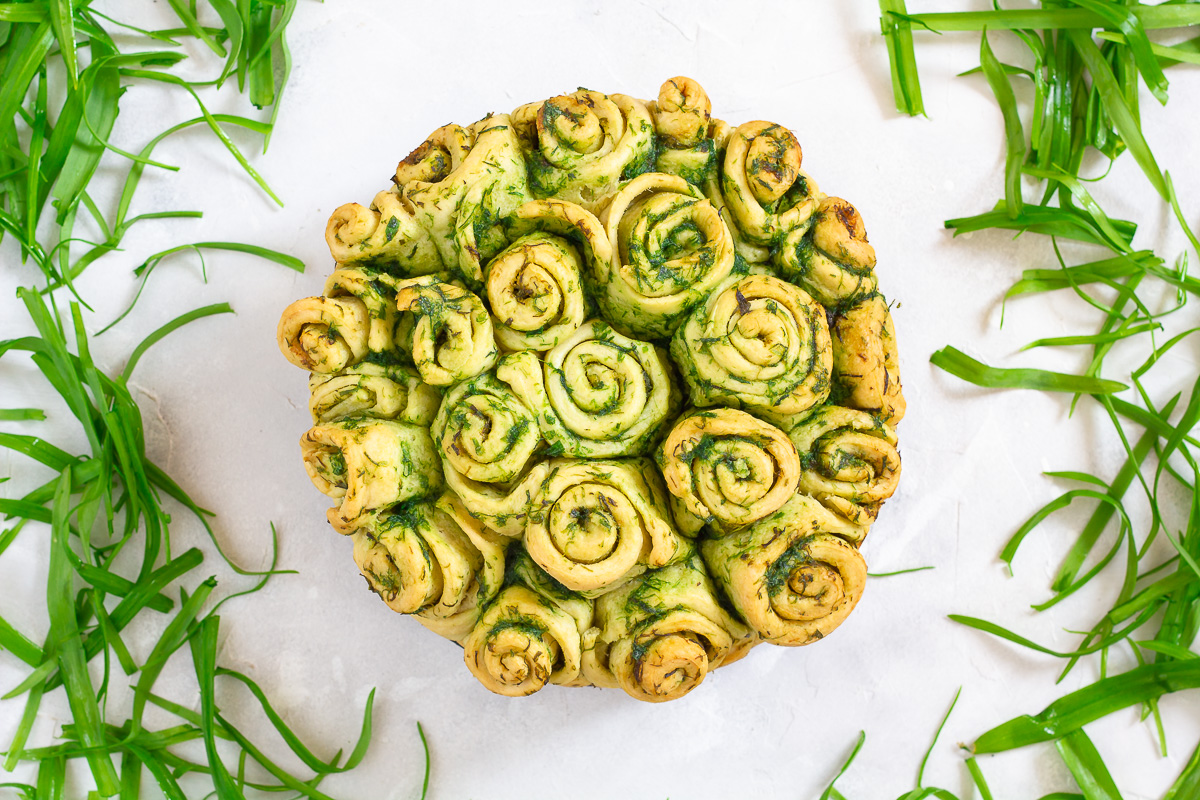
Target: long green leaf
204, 654
1135, 35
1118, 109
1151, 17
1014, 132
19, 644
62, 17
963, 366
897, 32
1071, 712
71, 661
1087, 767
1187, 785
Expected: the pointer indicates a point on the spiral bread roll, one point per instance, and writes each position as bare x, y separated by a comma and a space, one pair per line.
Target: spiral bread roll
866, 362
596, 524
683, 121
487, 438
762, 183
434, 160
460, 182
727, 468
682, 113
433, 560
535, 289
757, 342
386, 236
324, 335
376, 291
599, 394
456, 621
445, 329
833, 259
369, 465
529, 635
789, 575
604, 391
850, 461
659, 635
580, 146
375, 391
670, 248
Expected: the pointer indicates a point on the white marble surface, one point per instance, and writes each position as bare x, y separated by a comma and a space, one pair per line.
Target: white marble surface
224, 411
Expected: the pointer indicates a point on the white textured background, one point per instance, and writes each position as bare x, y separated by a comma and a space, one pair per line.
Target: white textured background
224, 410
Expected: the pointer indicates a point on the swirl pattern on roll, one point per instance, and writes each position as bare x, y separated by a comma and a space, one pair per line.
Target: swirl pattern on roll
485, 432
659, 635
850, 461
376, 290
670, 249
455, 622
529, 635
833, 259
758, 343
580, 146
788, 575
421, 560
324, 335
535, 289
866, 361
762, 183
487, 439
599, 394
369, 465
535, 286
434, 160
459, 183
596, 524
375, 391
386, 236
728, 468
445, 329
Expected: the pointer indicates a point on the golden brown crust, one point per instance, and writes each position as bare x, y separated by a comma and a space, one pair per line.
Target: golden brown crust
866, 361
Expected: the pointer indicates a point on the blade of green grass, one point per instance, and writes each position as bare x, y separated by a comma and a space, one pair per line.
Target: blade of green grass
1067, 223
1095, 338
1118, 109
293, 742
103, 89
204, 654
985, 792
1169, 649
71, 660
1173, 53
899, 572
1087, 767
1014, 132
1187, 785
21, 414
1151, 17
936, 735
1139, 44
19, 644
1072, 711
147, 267
212, 124
906, 83
963, 366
